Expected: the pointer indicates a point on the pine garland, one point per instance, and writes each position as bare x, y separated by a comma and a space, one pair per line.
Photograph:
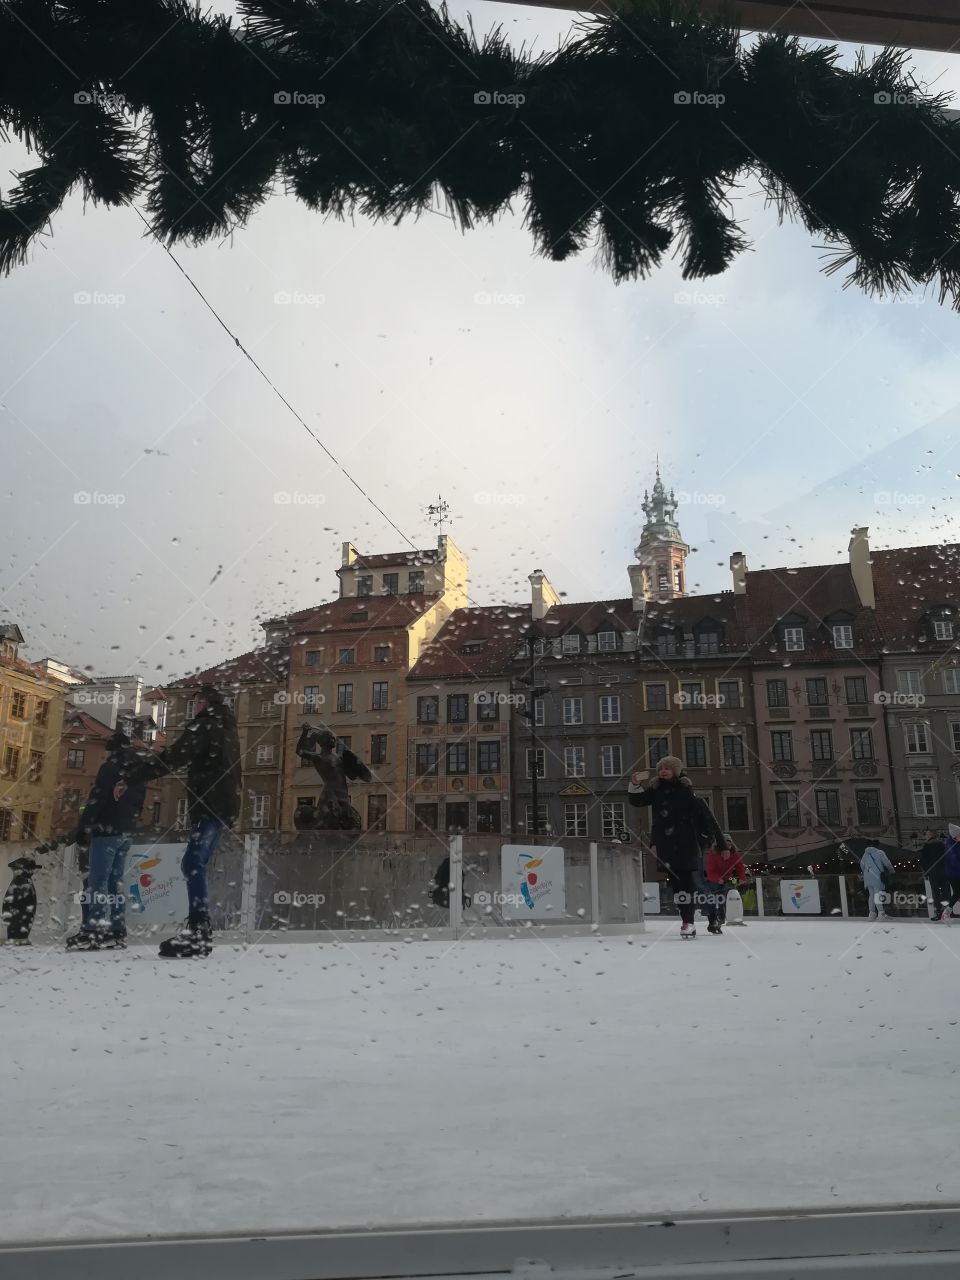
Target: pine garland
632, 137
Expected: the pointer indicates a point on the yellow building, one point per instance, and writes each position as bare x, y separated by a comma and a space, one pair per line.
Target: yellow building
31, 722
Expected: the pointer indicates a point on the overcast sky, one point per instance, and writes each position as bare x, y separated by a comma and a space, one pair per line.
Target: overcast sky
786, 411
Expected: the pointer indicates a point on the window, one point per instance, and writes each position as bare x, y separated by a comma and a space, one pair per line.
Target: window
657, 748
817, 695
365, 584
542, 824
428, 757
915, 739
868, 808
691, 695
695, 751
856, 689
379, 699
612, 819
457, 708
6, 824
488, 757
828, 807
536, 759
611, 762
378, 748
415, 583
426, 816
11, 761
260, 813
608, 641
155, 814
391, 584
573, 711
942, 629
909, 681
346, 657
230, 701
29, 821
457, 815
41, 712
264, 755
793, 639
955, 734
458, 757
312, 657
861, 744
488, 816
708, 642
781, 743
738, 813
191, 709
951, 680
75, 758
574, 819
381, 653
842, 636
376, 813
488, 706
428, 709
570, 643
36, 765
344, 742
182, 820
610, 708
344, 697
821, 744
777, 693
71, 799
733, 751
574, 762
18, 705
539, 712
729, 693
311, 698
268, 706
666, 645
656, 697
788, 808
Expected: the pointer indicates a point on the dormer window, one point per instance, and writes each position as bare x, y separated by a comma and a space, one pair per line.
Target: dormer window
608, 640
793, 639
666, 644
842, 636
365, 585
942, 629
708, 642
570, 643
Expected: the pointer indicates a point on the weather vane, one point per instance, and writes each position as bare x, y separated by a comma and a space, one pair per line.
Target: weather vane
438, 511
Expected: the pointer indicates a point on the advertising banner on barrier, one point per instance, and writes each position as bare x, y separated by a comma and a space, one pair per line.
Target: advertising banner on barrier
155, 888
800, 897
532, 882
651, 898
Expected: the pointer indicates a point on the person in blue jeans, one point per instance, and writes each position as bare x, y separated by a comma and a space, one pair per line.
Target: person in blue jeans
209, 751
106, 825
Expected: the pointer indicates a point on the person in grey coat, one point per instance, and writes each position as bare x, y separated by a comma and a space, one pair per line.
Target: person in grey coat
874, 865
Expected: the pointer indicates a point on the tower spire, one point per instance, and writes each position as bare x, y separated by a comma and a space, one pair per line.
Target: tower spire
662, 552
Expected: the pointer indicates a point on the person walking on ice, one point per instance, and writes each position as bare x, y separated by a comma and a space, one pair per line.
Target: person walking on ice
874, 867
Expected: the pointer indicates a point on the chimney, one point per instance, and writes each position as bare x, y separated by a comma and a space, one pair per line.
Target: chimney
543, 595
738, 567
348, 555
638, 588
860, 567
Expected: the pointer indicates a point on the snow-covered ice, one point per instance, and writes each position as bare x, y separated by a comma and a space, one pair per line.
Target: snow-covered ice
296, 1086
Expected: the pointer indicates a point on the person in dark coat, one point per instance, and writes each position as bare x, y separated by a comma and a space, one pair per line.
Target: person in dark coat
682, 826
931, 857
209, 751
951, 867
105, 831
19, 908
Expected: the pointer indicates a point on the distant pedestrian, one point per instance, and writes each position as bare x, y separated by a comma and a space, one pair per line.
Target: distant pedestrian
724, 871
20, 901
875, 867
931, 856
682, 825
951, 867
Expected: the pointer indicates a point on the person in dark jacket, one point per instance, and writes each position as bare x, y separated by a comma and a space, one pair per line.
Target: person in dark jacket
106, 826
951, 867
19, 908
209, 751
682, 826
931, 857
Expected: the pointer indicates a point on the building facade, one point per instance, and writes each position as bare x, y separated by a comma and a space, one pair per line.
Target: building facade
31, 723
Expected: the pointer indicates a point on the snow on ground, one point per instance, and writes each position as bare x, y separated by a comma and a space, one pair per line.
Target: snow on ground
789, 1064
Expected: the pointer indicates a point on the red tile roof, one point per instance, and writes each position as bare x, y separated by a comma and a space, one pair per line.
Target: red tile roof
688, 612
813, 592
80, 724
399, 558
258, 666
497, 627
381, 611
588, 616
909, 581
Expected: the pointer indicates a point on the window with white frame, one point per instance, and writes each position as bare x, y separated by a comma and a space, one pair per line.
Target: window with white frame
573, 711
657, 748
611, 761
843, 636
543, 822
828, 807
909, 681
924, 793
539, 712
793, 639
574, 761
734, 756
942, 629
607, 641
695, 751
861, 744
955, 735
951, 680
570, 643
788, 808
612, 819
610, 708
264, 755
268, 706
915, 738
737, 808
536, 759
182, 820
575, 819
260, 811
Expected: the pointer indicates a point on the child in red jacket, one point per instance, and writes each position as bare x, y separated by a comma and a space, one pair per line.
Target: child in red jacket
724, 870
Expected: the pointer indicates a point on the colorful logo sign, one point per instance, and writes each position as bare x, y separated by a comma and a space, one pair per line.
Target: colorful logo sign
532, 882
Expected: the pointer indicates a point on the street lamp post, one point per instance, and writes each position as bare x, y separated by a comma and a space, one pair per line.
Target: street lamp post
529, 713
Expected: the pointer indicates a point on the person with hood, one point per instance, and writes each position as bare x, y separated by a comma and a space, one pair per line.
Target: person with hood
931, 855
105, 829
682, 825
875, 866
951, 867
724, 870
209, 750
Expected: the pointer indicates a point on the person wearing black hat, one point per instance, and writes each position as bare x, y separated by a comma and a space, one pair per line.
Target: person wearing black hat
209, 751
106, 825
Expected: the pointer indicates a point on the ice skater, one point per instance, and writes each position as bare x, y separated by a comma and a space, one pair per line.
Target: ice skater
875, 866
951, 867
724, 871
682, 825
